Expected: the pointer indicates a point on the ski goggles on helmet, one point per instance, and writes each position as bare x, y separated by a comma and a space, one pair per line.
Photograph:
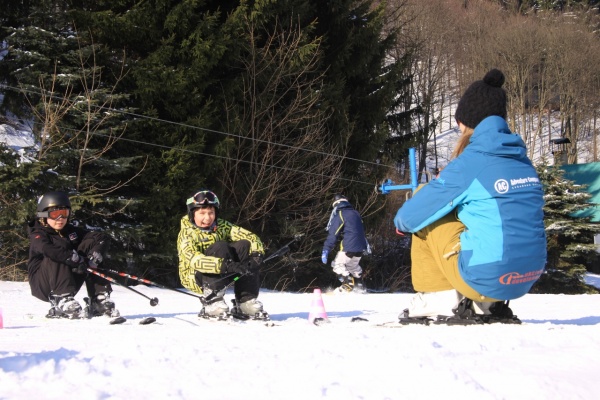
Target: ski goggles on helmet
59, 213
205, 197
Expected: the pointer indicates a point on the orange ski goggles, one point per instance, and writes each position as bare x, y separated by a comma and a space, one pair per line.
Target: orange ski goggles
59, 213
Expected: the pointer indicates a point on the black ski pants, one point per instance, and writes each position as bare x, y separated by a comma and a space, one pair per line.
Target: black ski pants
53, 278
247, 286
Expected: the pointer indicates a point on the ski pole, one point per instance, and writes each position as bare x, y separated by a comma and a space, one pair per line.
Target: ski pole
284, 249
213, 294
146, 281
153, 301
237, 276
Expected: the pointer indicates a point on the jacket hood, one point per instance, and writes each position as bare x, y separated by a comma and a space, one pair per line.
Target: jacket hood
493, 136
343, 204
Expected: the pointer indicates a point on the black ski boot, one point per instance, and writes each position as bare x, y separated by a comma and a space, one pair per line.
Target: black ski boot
101, 304
501, 313
64, 306
464, 314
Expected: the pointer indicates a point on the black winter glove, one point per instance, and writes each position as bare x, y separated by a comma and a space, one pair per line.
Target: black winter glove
233, 267
81, 263
95, 259
256, 260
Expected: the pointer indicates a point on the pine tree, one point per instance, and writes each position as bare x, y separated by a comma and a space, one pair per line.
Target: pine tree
67, 85
570, 239
18, 179
362, 81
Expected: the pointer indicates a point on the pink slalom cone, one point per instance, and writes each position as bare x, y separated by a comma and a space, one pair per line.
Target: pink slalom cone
317, 308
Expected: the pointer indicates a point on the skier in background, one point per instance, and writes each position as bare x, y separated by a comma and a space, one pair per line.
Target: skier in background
214, 253
345, 226
59, 255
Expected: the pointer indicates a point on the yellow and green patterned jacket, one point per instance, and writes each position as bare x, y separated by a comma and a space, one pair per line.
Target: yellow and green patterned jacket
192, 243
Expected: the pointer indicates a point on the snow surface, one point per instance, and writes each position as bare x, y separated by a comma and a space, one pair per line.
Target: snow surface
552, 355
16, 139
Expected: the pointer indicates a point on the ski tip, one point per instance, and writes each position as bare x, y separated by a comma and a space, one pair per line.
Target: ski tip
400, 324
147, 320
117, 320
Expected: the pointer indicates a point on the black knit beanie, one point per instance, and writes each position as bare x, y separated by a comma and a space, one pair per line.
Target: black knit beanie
482, 99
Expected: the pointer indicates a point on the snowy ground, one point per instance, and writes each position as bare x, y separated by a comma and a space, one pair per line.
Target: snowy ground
553, 355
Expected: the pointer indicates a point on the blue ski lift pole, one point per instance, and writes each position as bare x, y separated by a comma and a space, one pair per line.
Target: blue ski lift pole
387, 186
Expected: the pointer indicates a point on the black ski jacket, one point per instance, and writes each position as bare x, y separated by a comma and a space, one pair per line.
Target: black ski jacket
59, 245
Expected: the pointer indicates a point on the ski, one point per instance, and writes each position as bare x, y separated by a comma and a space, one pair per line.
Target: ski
240, 322
450, 321
252, 321
387, 324
390, 324
404, 320
239, 319
465, 315
143, 321
111, 321
147, 321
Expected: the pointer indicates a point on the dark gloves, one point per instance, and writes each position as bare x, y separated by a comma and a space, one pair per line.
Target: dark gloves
95, 259
251, 266
233, 267
256, 260
80, 262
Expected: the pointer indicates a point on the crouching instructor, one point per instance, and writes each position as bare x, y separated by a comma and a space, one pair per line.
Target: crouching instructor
478, 229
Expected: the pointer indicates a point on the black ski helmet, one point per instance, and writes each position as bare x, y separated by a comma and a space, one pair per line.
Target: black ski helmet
52, 199
338, 198
202, 198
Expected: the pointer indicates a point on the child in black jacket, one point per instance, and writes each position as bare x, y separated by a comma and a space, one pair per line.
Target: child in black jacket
59, 256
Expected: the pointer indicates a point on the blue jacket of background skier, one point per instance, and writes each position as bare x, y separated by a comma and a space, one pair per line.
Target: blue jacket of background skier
346, 225
496, 193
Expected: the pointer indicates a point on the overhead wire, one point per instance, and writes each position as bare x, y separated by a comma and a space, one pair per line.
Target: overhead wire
161, 120
155, 119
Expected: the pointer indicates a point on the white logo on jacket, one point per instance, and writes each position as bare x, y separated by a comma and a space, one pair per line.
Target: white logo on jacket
501, 186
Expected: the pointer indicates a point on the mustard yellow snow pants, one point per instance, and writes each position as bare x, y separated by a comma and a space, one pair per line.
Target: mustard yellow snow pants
434, 254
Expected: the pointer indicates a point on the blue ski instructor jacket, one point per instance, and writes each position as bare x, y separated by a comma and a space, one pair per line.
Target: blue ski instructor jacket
496, 193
